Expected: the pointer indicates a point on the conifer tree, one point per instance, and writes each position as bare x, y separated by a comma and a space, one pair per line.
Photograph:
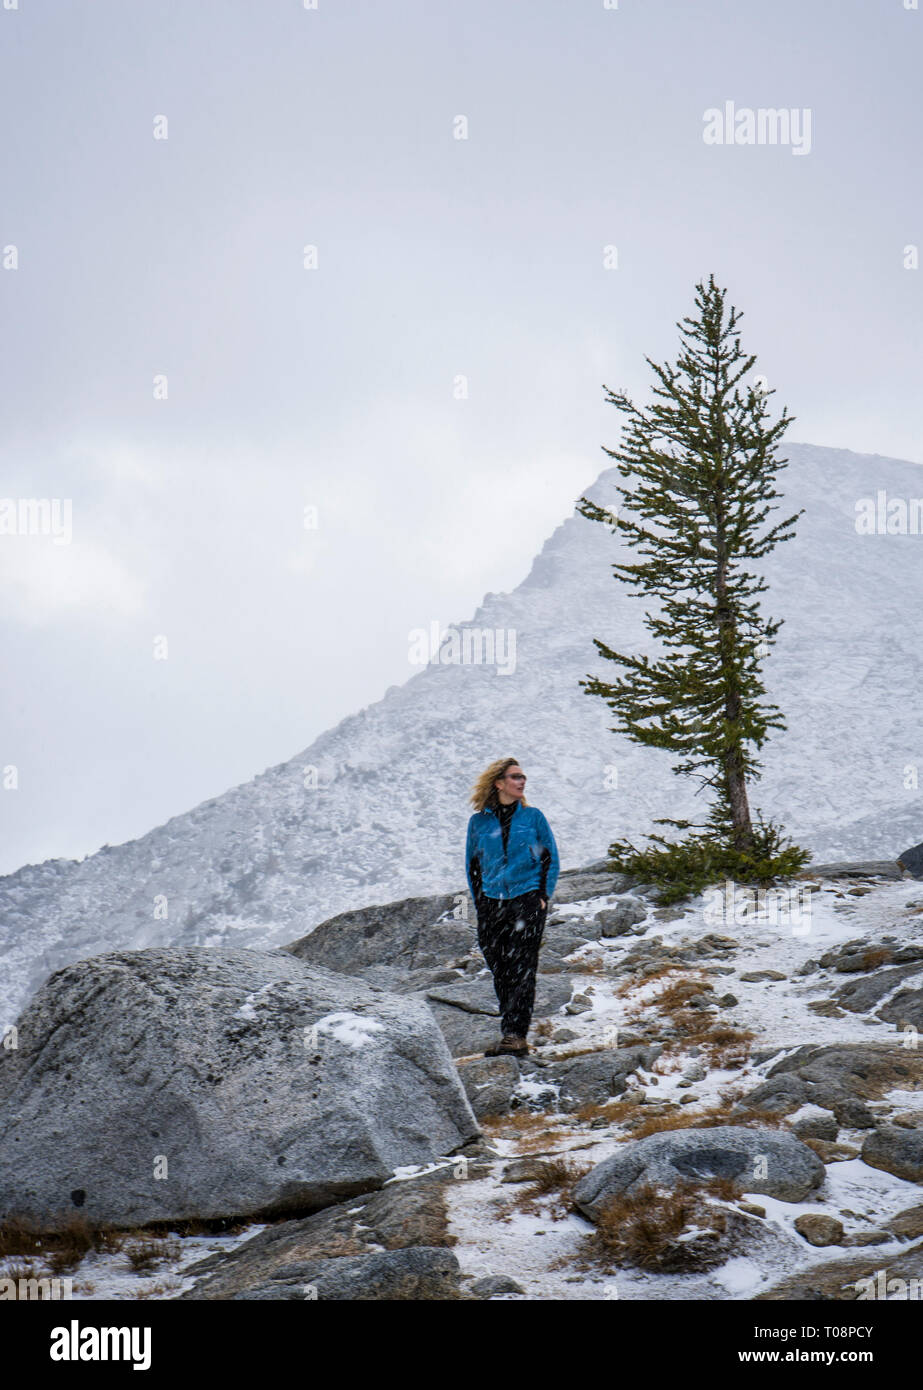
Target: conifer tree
701, 464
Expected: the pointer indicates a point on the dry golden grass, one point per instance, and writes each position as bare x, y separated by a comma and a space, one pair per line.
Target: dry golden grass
675, 996
526, 1128
550, 1194
147, 1251
714, 1115
646, 1229
636, 981
528, 1144
165, 1286
616, 1111
61, 1249
590, 965
66, 1246
23, 1269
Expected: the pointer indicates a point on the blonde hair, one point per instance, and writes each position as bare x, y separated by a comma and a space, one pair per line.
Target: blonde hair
484, 793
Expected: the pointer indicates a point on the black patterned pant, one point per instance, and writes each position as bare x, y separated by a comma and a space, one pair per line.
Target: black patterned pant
510, 934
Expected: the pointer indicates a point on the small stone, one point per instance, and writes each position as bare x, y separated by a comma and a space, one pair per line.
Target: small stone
908, 1223
816, 1127
751, 1208
852, 1114
564, 1035
523, 1170
755, 977
494, 1284
818, 1229
897, 1151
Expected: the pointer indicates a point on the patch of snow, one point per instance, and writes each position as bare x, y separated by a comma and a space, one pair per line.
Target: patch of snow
350, 1028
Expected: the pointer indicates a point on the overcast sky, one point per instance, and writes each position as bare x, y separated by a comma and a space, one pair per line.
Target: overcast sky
434, 387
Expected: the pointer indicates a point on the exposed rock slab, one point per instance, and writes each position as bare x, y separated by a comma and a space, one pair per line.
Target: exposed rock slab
406, 933
758, 1160
416, 1274
402, 1215
170, 1084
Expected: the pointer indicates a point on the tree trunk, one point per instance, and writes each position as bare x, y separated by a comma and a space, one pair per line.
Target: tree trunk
734, 780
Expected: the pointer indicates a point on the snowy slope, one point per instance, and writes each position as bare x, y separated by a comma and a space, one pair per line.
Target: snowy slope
264, 862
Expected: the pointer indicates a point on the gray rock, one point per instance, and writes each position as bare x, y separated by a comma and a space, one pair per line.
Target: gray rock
598, 1076
417, 1273
864, 1070
618, 920
816, 1127
792, 1170
474, 996
905, 1010
861, 995
403, 1214
480, 997
397, 980
464, 1033
778, 1095
489, 1084
576, 886
754, 977
468, 1013
852, 1114
848, 957
494, 1284
563, 939
896, 1150
580, 1004
169, 1084
858, 868
405, 933
911, 860
550, 963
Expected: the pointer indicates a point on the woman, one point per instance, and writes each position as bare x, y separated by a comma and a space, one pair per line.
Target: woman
511, 861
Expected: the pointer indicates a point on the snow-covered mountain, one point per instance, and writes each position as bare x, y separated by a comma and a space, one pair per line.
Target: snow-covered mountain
268, 860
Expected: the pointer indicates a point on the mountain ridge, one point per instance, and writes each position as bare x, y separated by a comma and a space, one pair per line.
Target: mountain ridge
272, 857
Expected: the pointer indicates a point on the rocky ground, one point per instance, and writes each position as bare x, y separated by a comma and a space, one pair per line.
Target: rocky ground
724, 1101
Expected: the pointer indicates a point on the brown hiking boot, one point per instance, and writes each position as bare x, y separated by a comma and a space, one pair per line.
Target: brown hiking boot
510, 1044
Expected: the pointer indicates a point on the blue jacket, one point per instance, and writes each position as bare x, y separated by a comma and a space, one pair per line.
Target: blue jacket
520, 869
